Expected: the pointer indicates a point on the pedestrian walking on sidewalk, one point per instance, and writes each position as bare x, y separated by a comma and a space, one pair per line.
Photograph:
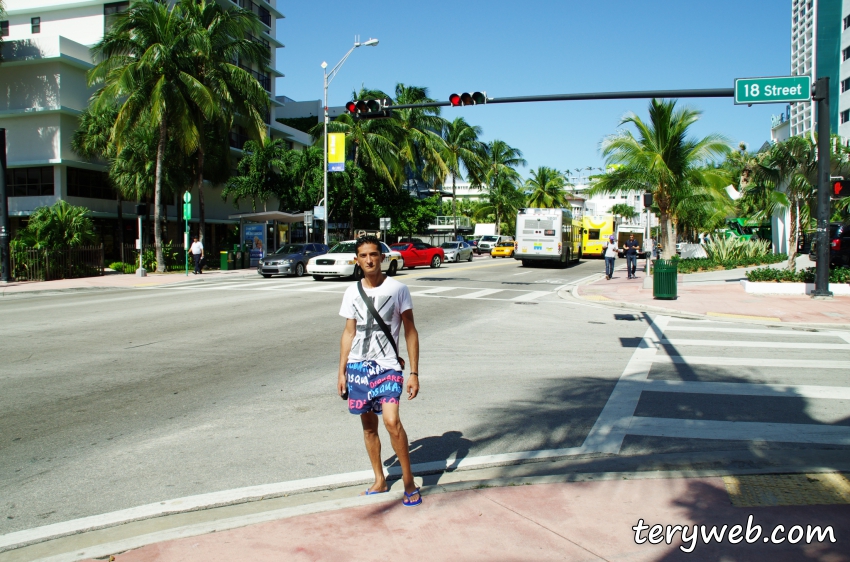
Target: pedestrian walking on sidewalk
610, 256
197, 251
632, 246
370, 368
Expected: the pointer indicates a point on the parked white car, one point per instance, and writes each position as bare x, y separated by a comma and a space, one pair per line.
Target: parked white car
340, 262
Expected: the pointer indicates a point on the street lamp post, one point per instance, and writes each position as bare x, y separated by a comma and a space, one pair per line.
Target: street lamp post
329, 76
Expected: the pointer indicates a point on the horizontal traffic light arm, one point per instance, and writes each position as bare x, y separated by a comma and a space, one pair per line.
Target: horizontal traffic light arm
647, 94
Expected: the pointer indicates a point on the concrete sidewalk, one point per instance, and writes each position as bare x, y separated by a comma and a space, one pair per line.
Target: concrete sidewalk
716, 294
589, 520
113, 280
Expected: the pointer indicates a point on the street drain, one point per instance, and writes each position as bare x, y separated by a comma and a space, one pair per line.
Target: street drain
526, 303
443, 279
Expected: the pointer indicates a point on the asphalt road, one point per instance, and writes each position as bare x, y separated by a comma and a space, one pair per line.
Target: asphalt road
111, 399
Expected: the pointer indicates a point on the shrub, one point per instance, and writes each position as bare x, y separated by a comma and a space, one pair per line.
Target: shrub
692, 265
768, 275
731, 249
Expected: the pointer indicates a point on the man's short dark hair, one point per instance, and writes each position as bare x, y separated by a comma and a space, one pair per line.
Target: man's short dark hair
368, 239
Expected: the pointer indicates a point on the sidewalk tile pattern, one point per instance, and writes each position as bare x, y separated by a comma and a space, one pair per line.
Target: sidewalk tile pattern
788, 489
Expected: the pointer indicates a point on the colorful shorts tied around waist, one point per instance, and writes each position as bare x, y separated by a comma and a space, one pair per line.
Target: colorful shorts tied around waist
370, 386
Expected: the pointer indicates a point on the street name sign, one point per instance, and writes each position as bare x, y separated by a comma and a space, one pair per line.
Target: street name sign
775, 89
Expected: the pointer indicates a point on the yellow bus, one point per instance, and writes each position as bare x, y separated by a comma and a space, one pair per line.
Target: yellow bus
595, 232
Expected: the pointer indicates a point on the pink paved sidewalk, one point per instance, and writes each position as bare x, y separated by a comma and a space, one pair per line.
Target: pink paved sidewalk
116, 280
568, 521
724, 300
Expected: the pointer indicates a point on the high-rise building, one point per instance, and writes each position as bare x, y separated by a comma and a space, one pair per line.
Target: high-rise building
43, 90
820, 46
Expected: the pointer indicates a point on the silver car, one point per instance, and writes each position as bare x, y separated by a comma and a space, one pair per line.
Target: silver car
290, 259
457, 251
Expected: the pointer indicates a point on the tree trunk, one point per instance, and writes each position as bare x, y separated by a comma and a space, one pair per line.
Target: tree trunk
351, 203
201, 214
119, 201
454, 209
157, 194
668, 246
793, 231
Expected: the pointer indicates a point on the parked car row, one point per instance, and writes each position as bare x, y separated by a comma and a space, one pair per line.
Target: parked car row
339, 261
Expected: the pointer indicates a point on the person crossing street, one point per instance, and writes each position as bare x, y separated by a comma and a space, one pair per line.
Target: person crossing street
197, 251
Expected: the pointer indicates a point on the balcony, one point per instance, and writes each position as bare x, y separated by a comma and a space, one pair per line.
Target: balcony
262, 13
448, 223
237, 140
264, 80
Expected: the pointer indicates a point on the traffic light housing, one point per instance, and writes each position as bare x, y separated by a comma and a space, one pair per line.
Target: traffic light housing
370, 109
466, 98
840, 189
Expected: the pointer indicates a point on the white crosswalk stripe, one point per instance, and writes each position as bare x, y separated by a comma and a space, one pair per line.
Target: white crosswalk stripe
618, 418
469, 293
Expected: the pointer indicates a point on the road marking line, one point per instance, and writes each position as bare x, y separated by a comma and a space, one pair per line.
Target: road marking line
750, 389
433, 290
481, 293
595, 298
745, 316
751, 362
783, 332
451, 270
767, 344
610, 428
521, 273
530, 296
740, 431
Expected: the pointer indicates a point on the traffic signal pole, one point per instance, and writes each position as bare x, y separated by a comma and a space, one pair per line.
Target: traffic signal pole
822, 271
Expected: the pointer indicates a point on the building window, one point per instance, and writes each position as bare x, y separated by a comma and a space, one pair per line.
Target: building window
89, 183
4, 28
111, 12
845, 116
845, 54
846, 22
29, 182
845, 85
36, 25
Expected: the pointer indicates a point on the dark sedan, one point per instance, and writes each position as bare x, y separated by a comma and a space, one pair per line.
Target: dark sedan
290, 259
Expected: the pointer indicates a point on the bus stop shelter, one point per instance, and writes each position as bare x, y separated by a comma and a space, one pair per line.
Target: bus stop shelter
264, 217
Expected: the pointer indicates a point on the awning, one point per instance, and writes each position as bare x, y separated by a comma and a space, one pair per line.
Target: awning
267, 216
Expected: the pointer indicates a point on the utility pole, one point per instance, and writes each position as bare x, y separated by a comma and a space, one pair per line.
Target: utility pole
822, 271
5, 265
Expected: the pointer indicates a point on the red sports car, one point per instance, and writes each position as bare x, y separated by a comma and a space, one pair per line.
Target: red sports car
419, 253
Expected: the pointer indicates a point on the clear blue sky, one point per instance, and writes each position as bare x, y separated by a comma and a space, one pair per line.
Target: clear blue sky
545, 47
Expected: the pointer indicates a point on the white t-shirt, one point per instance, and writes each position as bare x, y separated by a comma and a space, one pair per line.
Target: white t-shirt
611, 250
390, 299
197, 248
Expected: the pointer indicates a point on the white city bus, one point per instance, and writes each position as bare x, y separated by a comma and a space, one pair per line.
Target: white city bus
547, 235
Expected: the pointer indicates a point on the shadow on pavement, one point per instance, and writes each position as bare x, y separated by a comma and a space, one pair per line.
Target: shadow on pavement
437, 448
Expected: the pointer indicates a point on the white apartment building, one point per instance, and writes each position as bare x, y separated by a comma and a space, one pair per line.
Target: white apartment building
43, 81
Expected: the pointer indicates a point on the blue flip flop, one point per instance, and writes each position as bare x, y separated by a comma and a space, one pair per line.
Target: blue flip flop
406, 501
371, 493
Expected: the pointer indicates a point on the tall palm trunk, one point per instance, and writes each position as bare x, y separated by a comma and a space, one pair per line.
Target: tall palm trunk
201, 213
119, 201
793, 232
351, 203
454, 209
157, 194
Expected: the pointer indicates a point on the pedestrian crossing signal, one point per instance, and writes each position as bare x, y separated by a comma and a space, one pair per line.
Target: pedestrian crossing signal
840, 189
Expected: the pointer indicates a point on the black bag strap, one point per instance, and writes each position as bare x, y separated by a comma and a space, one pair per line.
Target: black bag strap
379, 320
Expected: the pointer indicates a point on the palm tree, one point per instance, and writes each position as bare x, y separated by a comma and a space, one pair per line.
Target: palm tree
504, 199
461, 151
144, 61
418, 135
374, 146
258, 177
220, 45
502, 179
546, 188
664, 160
624, 210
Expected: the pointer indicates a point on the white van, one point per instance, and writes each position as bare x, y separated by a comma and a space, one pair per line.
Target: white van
489, 241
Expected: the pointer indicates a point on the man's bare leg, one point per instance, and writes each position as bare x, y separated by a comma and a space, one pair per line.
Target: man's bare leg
369, 421
398, 438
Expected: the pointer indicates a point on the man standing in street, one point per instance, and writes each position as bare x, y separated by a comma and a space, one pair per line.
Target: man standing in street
631, 247
370, 369
197, 251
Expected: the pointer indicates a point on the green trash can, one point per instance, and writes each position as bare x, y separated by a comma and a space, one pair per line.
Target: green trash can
224, 261
665, 279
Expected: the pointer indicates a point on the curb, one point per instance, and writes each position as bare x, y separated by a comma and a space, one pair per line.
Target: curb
573, 294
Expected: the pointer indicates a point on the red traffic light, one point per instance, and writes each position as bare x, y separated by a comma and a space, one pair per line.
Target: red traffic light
351, 107
467, 98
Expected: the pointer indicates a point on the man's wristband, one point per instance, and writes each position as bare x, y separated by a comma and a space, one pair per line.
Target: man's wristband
417, 374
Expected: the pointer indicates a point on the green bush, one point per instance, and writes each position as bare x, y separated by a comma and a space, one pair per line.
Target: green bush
693, 265
725, 250
769, 275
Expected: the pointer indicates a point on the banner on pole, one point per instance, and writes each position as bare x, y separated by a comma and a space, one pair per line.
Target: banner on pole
336, 152
319, 212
